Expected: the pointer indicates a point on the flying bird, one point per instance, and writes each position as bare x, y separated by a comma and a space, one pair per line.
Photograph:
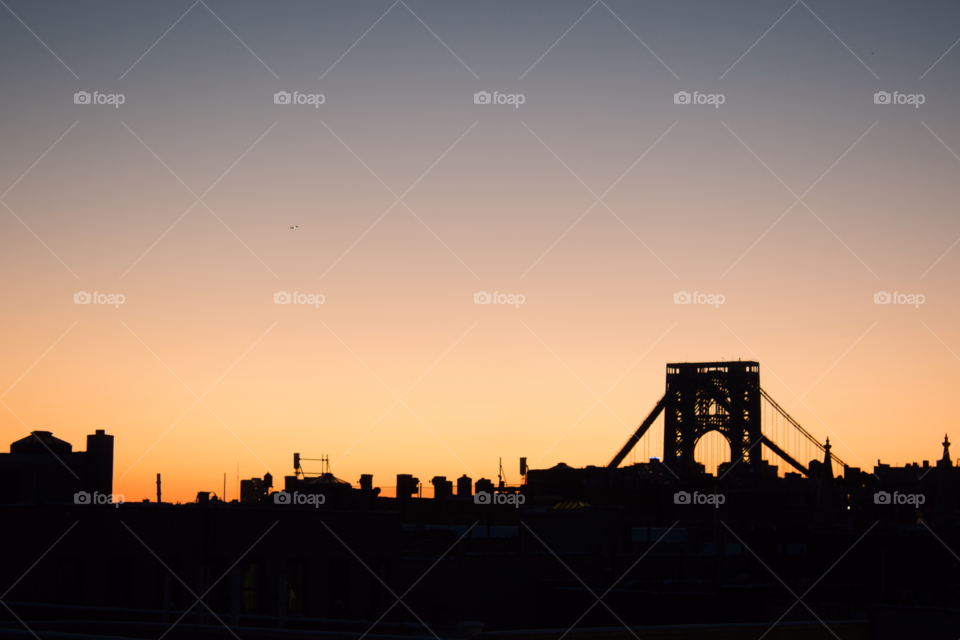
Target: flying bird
295, 226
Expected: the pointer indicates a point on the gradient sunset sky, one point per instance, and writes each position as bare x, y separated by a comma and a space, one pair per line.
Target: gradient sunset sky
598, 199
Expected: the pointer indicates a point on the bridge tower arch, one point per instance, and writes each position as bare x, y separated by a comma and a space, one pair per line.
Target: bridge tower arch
715, 396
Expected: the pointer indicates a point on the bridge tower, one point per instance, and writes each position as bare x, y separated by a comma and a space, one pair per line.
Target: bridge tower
712, 396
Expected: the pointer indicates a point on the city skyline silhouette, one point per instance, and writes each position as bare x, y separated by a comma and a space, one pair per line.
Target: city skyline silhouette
440, 250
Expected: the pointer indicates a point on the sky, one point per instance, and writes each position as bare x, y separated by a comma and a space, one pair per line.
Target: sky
629, 154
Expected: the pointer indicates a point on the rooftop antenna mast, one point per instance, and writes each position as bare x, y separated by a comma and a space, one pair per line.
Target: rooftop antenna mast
323, 460
502, 476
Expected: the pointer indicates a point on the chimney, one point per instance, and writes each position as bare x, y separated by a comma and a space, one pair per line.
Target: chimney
406, 486
366, 482
442, 488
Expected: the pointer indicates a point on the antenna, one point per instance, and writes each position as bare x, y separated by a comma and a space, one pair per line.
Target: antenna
324, 460
502, 476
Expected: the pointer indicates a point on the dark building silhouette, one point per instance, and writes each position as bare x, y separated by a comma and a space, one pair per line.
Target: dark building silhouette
337, 493
42, 468
256, 489
464, 486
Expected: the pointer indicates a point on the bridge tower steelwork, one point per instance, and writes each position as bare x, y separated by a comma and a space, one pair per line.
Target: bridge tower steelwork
712, 396
716, 396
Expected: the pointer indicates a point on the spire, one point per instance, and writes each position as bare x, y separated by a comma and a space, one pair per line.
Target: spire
946, 497
827, 472
827, 500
